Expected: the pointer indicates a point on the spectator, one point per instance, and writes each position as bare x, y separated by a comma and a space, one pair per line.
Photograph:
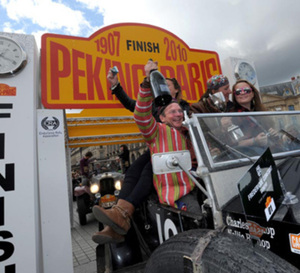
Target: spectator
254, 132
124, 156
76, 180
246, 98
217, 83
84, 164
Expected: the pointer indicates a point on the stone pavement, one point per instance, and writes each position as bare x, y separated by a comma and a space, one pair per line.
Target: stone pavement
83, 248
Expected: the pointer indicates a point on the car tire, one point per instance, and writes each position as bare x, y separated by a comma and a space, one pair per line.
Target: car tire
82, 210
224, 253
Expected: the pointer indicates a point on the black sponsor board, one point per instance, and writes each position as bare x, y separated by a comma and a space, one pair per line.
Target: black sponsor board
257, 214
260, 188
282, 238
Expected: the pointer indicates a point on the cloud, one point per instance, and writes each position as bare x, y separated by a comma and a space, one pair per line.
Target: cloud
48, 15
262, 31
266, 32
7, 27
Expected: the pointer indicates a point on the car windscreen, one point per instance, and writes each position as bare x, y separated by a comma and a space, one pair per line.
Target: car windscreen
232, 138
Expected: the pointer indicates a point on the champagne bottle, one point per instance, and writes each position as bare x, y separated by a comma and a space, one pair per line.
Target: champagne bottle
160, 89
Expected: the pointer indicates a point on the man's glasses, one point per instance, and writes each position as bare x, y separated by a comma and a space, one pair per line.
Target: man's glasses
173, 112
245, 90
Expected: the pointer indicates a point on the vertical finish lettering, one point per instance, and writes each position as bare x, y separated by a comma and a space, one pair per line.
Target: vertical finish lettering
6, 247
2, 146
1, 211
10, 268
8, 183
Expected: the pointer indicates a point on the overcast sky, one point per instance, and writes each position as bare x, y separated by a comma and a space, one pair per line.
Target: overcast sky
264, 31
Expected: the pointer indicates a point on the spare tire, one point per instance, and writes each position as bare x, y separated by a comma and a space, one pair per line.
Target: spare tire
224, 253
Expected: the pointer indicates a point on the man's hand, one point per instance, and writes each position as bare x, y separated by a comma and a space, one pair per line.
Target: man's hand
150, 65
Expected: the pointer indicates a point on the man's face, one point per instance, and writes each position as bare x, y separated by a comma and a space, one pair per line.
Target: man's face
173, 116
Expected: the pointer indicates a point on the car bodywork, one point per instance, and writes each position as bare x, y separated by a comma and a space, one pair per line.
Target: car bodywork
221, 179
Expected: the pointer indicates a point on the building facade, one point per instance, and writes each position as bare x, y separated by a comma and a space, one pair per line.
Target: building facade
283, 96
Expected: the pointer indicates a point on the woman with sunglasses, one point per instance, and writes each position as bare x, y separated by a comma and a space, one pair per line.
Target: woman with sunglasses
246, 98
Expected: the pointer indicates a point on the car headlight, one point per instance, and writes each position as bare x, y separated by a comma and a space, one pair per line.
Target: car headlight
118, 185
94, 188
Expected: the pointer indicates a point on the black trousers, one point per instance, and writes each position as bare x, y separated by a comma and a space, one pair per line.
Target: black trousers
138, 182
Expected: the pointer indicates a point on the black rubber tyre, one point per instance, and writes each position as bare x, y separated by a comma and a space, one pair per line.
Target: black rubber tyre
225, 253
82, 209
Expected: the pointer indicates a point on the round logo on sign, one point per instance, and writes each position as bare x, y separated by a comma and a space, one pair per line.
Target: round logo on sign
50, 123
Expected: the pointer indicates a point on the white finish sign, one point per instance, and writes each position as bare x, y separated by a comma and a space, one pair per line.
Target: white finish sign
34, 211
19, 207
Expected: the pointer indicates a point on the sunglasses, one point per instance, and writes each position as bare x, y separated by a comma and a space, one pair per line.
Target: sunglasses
245, 90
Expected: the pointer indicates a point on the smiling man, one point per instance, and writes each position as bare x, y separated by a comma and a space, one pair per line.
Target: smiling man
173, 189
172, 115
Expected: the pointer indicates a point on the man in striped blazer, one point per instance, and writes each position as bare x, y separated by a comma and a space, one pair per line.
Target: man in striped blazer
173, 188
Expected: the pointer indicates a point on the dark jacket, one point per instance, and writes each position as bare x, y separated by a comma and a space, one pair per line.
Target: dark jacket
205, 105
84, 166
124, 156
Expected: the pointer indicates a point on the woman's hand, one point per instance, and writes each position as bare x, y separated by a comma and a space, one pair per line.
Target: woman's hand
274, 135
112, 79
261, 140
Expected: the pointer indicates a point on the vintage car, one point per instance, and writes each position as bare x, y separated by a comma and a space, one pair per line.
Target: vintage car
102, 188
248, 189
